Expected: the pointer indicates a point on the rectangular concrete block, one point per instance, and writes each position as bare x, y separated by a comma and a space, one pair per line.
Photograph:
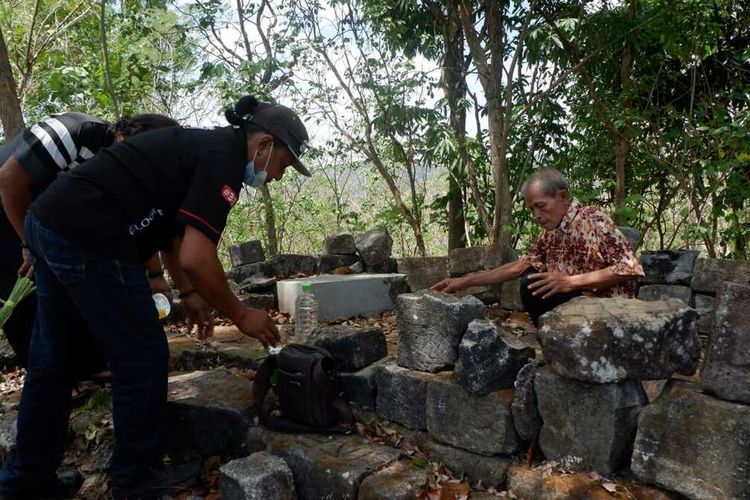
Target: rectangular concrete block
344, 296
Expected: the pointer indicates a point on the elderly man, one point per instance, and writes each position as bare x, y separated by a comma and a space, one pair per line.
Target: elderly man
581, 252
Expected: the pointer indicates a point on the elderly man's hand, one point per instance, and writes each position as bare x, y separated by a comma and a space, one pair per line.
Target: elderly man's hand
449, 285
548, 284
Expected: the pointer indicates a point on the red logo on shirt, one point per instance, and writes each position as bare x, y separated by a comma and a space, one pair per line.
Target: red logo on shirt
229, 195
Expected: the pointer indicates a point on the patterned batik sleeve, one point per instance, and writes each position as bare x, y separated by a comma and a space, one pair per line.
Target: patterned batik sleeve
534, 256
616, 250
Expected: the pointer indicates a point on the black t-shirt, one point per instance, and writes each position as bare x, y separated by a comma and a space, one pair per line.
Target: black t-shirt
132, 198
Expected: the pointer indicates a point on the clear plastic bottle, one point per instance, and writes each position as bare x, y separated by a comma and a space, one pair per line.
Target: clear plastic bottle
306, 315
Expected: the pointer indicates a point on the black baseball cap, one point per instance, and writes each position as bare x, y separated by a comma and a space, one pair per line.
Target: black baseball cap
285, 125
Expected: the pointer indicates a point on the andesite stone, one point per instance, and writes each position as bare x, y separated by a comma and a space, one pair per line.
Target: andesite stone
468, 260
331, 467
260, 476
328, 262
467, 421
524, 408
265, 301
402, 395
423, 272
591, 426
7, 354
289, 264
694, 444
706, 308
431, 325
631, 234
341, 244
510, 295
389, 266
401, 480
248, 252
488, 360
239, 274
709, 274
609, 340
726, 372
671, 267
210, 412
374, 247
663, 292
258, 283
352, 347
8, 433
361, 386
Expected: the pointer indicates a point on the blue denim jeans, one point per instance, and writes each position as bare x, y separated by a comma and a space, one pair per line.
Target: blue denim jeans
77, 287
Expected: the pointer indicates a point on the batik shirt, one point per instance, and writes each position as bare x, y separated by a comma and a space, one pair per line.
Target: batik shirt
586, 240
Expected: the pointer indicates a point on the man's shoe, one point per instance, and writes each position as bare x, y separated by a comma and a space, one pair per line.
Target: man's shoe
66, 485
160, 481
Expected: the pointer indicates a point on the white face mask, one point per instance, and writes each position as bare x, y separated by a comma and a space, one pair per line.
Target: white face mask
252, 179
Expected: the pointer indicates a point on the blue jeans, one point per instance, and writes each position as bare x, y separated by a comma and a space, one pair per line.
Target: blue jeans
76, 287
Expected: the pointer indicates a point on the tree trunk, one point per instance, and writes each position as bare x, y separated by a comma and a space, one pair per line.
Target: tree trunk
622, 138
273, 241
454, 87
11, 117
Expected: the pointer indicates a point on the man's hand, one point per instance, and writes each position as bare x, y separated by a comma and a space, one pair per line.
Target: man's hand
198, 313
27, 267
256, 323
159, 285
449, 285
549, 284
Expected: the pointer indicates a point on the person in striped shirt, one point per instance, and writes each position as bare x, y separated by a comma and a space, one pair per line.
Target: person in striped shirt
29, 162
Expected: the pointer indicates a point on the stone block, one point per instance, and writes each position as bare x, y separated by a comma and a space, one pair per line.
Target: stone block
423, 272
248, 252
672, 267
468, 260
357, 267
341, 244
491, 471
431, 325
352, 347
7, 354
608, 340
664, 292
464, 420
265, 301
290, 264
524, 408
694, 444
258, 283
242, 355
374, 247
329, 262
488, 360
258, 477
633, 236
402, 395
726, 372
510, 296
590, 426
389, 266
709, 274
399, 481
332, 467
258, 438
210, 412
706, 308
239, 274
345, 296
361, 386
8, 433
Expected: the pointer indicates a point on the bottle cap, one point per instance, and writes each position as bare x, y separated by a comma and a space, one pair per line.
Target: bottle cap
306, 287
162, 305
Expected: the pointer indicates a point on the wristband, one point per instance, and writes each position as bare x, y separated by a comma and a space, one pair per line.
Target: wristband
156, 274
183, 295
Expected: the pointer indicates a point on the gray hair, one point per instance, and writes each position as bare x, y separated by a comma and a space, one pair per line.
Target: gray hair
550, 180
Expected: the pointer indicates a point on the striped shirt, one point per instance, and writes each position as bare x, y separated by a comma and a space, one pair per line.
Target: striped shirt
60, 143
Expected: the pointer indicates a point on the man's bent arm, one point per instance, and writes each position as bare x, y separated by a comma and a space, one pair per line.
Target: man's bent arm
16, 192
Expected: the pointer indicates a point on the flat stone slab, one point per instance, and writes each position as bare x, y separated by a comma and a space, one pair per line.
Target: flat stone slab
431, 325
590, 426
228, 348
260, 476
467, 421
709, 274
609, 340
694, 444
424, 272
399, 481
352, 347
331, 467
671, 267
726, 372
663, 292
489, 360
344, 296
402, 395
210, 412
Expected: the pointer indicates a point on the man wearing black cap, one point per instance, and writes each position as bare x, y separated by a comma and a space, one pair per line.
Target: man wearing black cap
170, 189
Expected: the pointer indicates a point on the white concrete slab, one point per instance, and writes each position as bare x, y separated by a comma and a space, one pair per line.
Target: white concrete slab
344, 296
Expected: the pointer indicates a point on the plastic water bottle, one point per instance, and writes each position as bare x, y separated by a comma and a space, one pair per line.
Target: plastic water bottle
162, 305
306, 314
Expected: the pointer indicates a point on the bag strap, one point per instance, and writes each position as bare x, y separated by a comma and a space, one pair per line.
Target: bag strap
261, 387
